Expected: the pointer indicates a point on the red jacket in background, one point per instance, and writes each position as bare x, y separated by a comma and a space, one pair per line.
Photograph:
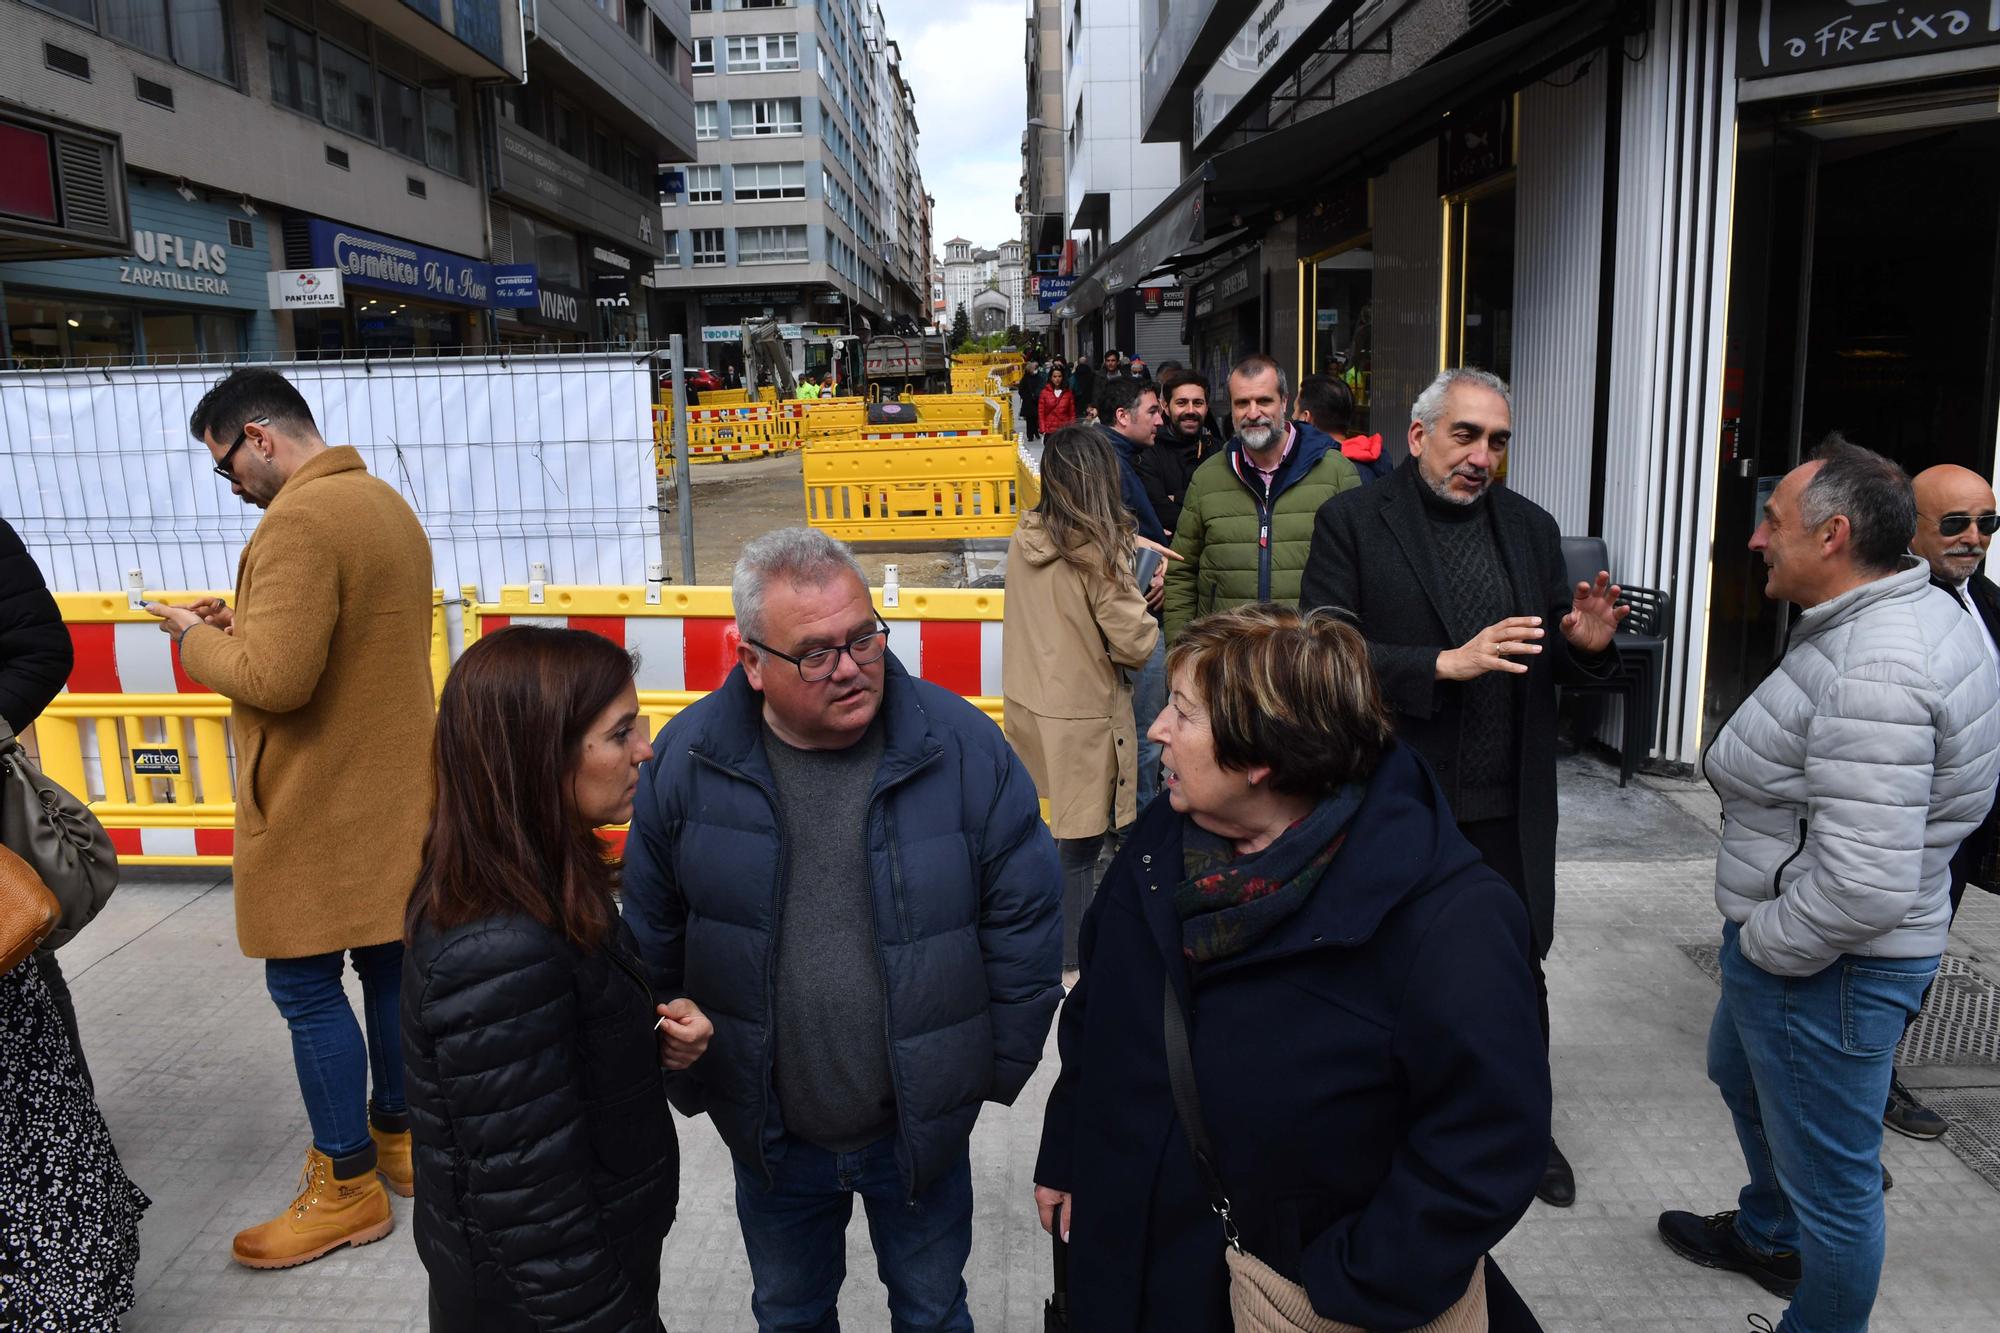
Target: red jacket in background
1056, 408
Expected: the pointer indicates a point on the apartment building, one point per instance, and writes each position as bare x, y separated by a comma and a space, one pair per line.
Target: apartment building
1043, 170
789, 208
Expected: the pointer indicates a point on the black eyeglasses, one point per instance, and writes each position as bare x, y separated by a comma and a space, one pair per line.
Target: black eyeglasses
1953, 524
222, 468
821, 663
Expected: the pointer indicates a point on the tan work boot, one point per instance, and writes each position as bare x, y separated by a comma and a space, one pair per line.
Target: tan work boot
392, 1160
328, 1214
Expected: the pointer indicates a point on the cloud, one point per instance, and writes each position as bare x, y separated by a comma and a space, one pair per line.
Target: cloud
966, 65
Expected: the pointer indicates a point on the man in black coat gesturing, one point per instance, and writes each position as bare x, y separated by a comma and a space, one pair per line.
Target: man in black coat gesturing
1452, 581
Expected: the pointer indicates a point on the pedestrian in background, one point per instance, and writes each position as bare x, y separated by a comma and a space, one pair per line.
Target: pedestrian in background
326, 662
1056, 404
1182, 444
547, 1167
1076, 626
1453, 580
1848, 781
1129, 420
1299, 932
1955, 526
1029, 391
1246, 519
1327, 404
35, 660
846, 868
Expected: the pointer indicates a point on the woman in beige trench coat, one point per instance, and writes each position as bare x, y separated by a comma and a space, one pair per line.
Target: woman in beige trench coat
1075, 620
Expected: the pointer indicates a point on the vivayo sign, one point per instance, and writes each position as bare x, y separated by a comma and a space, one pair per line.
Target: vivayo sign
367, 259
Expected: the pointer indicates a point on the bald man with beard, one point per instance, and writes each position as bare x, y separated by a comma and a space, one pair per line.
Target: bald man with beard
1956, 520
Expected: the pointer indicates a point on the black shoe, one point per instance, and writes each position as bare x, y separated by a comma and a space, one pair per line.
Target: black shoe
1910, 1117
1888, 1181
1712, 1242
1558, 1187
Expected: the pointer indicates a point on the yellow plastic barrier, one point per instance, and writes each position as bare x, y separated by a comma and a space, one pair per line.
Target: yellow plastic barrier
930, 491
150, 749
726, 398
144, 744
1027, 479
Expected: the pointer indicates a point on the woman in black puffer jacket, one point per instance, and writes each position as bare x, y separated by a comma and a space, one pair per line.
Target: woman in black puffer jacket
547, 1167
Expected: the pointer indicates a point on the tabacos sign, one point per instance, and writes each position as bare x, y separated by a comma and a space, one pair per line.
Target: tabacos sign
367, 259
169, 261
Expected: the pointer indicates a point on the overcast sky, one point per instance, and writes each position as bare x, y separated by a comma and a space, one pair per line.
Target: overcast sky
965, 62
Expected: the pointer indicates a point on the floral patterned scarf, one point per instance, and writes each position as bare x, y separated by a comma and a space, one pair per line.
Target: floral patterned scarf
1228, 902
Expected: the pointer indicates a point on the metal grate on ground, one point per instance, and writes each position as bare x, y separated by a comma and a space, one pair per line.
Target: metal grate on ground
1960, 1024
1974, 1136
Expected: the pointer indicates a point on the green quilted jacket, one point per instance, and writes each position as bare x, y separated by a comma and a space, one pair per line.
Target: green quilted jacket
1233, 548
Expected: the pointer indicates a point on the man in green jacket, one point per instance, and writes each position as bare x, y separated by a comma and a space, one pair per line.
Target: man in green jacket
1246, 524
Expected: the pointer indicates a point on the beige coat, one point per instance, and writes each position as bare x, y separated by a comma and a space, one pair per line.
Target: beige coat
329, 669
1068, 707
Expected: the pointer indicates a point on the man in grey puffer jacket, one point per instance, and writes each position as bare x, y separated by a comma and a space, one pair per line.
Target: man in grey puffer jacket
1847, 782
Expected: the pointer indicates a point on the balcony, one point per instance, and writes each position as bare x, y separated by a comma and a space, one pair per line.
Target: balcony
480, 39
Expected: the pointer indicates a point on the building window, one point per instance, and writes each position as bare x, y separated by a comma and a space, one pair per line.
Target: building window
294, 66
770, 245
705, 121
701, 6
664, 46
767, 4
570, 133
763, 54
194, 34
704, 184
766, 116
770, 180
550, 248
635, 21
350, 90
670, 241
441, 131
402, 118
708, 247
704, 55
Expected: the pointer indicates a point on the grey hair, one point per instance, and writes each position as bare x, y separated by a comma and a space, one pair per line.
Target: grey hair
1872, 491
1256, 364
797, 555
1429, 407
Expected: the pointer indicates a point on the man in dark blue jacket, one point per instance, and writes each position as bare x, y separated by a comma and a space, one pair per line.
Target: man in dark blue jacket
846, 868
1128, 412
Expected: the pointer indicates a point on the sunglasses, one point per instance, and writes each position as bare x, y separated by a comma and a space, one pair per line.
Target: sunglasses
1953, 524
222, 468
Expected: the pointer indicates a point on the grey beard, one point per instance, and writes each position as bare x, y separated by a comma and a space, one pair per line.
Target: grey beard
1443, 490
1259, 438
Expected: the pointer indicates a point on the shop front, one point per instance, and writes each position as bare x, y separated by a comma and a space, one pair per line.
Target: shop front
192, 286
1226, 319
584, 231
1864, 295
401, 296
1336, 280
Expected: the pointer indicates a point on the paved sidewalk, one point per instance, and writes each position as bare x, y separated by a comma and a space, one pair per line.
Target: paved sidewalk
194, 1073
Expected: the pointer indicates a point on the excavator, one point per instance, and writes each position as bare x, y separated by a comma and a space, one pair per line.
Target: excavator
767, 360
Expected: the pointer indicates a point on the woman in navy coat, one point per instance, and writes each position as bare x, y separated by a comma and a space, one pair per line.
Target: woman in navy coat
1360, 1012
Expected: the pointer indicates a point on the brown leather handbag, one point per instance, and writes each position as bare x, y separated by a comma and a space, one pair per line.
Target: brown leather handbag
28, 911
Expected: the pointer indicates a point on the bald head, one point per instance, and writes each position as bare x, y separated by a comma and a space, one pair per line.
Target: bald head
1949, 496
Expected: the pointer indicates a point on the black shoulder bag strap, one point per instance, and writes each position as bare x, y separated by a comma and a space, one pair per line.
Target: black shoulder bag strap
1187, 1104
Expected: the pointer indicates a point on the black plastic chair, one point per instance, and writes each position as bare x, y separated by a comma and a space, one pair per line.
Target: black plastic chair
1642, 651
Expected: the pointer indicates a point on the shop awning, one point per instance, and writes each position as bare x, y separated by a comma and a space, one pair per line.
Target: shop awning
1313, 154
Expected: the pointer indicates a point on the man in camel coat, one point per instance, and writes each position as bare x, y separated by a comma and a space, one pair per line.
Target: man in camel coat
326, 659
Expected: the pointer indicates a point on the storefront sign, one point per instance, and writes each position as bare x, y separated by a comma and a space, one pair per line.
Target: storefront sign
721, 333
515, 287
1232, 287
1054, 290
305, 289
1257, 51
1159, 300
1476, 144
536, 176
198, 253
1785, 36
610, 259
366, 259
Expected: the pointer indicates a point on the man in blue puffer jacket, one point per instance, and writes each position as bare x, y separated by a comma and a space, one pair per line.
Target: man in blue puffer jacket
846, 868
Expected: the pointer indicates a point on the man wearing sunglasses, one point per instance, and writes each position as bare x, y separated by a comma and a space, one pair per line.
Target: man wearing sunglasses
325, 660
1956, 520
845, 867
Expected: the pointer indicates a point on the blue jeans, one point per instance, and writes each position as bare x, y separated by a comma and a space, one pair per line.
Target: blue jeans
1803, 1064
1149, 696
333, 1064
796, 1235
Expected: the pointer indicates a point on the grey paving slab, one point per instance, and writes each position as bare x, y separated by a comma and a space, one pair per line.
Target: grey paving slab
194, 1074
